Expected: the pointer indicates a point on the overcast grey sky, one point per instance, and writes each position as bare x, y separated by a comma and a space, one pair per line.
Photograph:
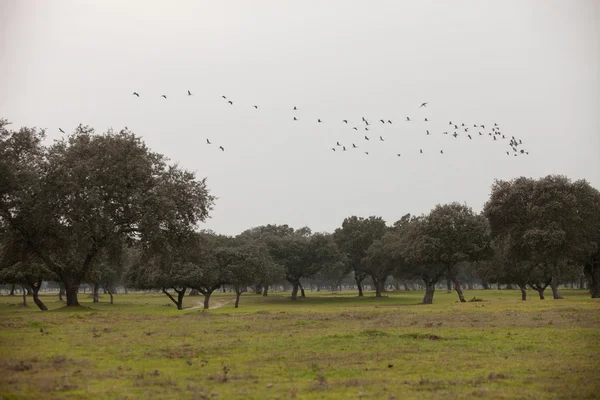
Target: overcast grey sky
533, 67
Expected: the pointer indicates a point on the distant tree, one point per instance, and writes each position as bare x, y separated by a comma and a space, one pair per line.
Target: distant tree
552, 223
303, 255
354, 238
381, 261
73, 198
244, 263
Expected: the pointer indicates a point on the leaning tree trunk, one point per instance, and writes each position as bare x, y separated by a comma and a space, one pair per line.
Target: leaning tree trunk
539, 288
302, 294
523, 288
207, 298
35, 290
429, 291
295, 285
358, 279
458, 289
110, 293
180, 293
554, 287
96, 289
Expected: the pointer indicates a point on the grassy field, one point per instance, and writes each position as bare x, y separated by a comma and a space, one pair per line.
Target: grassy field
326, 346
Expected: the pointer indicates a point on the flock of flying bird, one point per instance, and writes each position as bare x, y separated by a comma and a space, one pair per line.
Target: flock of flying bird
494, 133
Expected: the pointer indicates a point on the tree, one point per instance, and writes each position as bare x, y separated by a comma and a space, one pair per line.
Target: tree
455, 234
75, 197
354, 238
303, 255
380, 261
552, 222
244, 264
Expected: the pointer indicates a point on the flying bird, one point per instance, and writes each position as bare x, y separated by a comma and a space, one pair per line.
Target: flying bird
256, 107
189, 93
295, 109
450, 123
455, 126
221, 147
333, 148
398, 154
463, 124
442, 151
421, 150
319, 120
354, 146
423, 104
295, 119
455, 135
382, 121
366, 138
426, 120
480, 134
60, 129
366, 152
345, 121
344, 147
408, 118
338, 144
164, 96
208, 141
230, 102
445, 133
507, 153
136, 94
366, 129
469, 136
380, 138
428, 131
389, 121
355, 128
224, 97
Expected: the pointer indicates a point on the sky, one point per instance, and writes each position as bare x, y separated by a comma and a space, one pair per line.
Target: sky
530, 66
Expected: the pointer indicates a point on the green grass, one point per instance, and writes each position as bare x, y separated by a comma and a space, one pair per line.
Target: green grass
326, 346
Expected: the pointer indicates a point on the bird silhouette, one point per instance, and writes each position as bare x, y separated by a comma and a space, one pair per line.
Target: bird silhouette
221, 147
366, 129
295, 109
355, 128
507, 153
520, 141
189, 93
503, 137
408, 118
421, 150
256, 107
398, 154
428, 131
389, 121
494, 137
230, 102
295, 119
426, 120
344, 147
319, 121
136, 94
474, 126
164, 96
208, 141
445, 133
482, 126
333, 148
366, 152
480, 134
367, 122
380, 138
455, 135
338, 144
466, 129
423, 104
463, 124
382, 121
455, 126
366, 138
469, 136
61, 130
522, 151
495, 124
442, 151
450, 123
345, 121
354, 146
224, 97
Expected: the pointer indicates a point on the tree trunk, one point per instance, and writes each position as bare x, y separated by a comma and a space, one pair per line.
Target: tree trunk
539, 288
396, 285
359, 280
238, 293
109, 293
223, 289
302, 294
194, 292
449, 284
71, 291
179, 301
523, 291
24, 295
429, 291
295, 290
458, 290
95, 288
12, 290
34, 288
266, 291
592, 273
207, 299
554, 287
379, 284
61, 292
485, 285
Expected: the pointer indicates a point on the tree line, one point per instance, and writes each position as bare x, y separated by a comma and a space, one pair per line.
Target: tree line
104, 209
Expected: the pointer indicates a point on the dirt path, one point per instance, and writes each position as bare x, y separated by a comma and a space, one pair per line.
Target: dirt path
213, 304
